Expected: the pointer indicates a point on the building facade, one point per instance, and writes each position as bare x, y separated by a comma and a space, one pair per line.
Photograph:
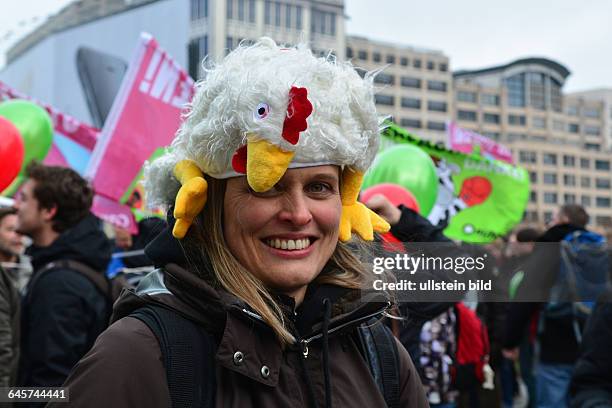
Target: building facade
414, 86
43, 64
217, 26
562, 140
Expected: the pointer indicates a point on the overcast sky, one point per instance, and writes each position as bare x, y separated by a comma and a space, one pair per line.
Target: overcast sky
473, 33
481, 33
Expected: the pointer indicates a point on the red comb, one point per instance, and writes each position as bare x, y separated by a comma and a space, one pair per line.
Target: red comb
298, 110
239, 159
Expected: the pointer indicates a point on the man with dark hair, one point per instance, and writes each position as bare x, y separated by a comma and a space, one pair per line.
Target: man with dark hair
559, 331
572, 214
63, 311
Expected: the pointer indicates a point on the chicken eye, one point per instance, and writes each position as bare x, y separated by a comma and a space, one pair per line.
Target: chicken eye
262, 111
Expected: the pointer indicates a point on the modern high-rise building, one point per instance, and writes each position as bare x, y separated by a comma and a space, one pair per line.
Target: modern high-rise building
562, 140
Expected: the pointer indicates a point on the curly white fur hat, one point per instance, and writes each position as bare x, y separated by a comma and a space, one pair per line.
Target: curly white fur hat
311, 110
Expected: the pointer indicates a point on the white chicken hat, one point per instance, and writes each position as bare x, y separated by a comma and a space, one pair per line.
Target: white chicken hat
265, 109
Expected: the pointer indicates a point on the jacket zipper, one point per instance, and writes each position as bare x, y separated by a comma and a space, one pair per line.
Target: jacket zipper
304, 345
304, 342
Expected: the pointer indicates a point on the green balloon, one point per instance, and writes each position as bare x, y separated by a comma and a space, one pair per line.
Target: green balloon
409, 167
35, 126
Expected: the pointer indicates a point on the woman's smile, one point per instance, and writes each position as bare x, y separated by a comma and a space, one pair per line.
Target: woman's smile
286, 235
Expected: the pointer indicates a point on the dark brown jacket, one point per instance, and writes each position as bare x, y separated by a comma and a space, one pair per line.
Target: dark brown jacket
125, 368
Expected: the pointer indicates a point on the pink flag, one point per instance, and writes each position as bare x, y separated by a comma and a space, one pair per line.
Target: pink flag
120, 215
465, 141
145, 116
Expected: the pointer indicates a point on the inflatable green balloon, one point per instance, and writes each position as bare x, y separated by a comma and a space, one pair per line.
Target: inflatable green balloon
36, 128
411, 168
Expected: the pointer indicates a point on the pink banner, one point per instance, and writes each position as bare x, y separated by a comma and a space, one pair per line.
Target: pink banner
66, 125
119, 215
466, 141
145, 115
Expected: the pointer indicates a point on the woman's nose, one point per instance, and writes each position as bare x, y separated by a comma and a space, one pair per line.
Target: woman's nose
295, 209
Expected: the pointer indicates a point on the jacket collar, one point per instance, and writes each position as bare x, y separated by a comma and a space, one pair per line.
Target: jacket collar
245, 332
84, 242
241, 330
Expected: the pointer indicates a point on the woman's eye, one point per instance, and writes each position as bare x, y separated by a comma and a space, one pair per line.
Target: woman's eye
262, 111
268, 193
319, 188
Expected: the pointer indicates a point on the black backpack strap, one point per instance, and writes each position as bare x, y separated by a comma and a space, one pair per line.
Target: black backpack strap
380, 351
97, 278
188, 353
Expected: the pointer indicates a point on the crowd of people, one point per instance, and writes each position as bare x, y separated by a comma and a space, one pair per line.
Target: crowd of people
248, 294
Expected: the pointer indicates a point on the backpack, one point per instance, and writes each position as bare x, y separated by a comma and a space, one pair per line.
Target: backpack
188, 353
473, 349
110, 288
583, 276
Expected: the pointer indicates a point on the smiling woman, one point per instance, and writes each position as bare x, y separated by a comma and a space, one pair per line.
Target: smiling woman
267, 232
258, 295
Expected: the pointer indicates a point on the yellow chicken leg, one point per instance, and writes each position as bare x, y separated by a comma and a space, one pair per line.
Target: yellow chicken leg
356, 217
191, 197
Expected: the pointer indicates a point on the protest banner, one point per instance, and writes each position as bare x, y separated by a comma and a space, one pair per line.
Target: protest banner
480, 199
467, 141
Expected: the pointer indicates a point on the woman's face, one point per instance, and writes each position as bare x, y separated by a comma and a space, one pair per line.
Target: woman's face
286, 235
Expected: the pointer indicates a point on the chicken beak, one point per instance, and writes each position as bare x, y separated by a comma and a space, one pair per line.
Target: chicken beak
266, 164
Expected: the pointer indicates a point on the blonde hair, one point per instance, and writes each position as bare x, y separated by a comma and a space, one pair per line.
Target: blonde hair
205, 240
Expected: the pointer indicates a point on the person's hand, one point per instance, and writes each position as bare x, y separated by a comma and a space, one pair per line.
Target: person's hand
511, 354
383, 207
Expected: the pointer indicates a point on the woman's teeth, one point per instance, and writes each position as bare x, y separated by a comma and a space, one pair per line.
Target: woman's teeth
289, 244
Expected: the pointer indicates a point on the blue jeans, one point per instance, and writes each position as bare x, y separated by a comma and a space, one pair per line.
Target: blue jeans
552, 383
507, 379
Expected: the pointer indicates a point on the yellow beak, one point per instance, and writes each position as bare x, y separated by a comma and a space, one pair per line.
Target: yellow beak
266, 164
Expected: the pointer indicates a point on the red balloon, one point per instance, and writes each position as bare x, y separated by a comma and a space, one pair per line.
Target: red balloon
394, 193
11, 152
